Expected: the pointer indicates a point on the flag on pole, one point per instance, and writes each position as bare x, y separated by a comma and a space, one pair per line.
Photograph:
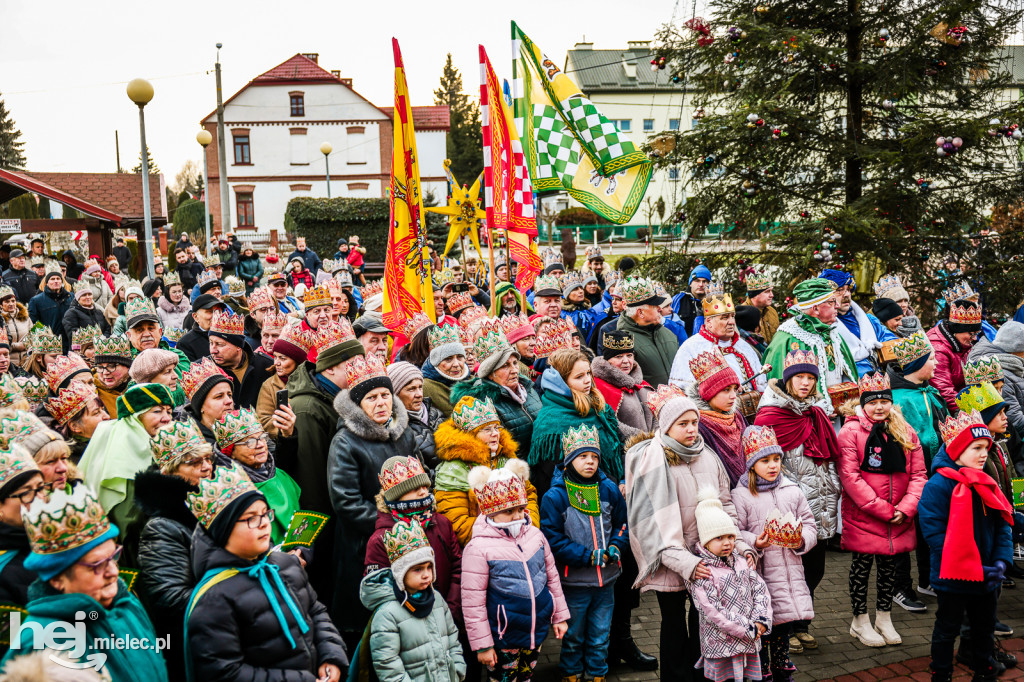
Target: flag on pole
462, 210
508, 194
570, 145
407, 285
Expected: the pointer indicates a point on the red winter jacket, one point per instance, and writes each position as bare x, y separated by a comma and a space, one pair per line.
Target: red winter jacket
949, 368
871, 499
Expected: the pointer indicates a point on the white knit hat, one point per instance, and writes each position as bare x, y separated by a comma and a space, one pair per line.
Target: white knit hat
712, 521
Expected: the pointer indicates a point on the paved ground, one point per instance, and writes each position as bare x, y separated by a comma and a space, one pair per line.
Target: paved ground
839, 654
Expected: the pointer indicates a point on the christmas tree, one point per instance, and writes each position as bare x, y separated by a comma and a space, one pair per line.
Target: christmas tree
872, 136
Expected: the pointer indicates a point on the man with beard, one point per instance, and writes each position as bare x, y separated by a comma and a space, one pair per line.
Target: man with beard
229, 350
595, 263
687, 304
184, 269
171, 307
196, 343
760, 295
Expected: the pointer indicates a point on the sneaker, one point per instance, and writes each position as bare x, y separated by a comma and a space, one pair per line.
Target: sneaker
1009, 583
1002, 630
806, 639
795, 646
1018, 552
926, 589
908, 600
786, 667
1004, 657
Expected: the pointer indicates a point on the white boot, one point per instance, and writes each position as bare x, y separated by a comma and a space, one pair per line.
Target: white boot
862, 630
883, 625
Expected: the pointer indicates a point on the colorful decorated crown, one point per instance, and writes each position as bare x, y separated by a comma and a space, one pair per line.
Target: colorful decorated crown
471, 413
70, 401
197, 375
139, 306
552, 257
414, 325
226, 322
593, 252
517, 325
717, 302
562, 325
445, 277
211, 261
363, 368
229, 482
797, 356
459, 301
502, 492
657, 399
175, 440
10, 390
983, 369
466, 339
546, 282
295, 335
636, 291
260, 298
474, 314
6, 291
784, 530
965, 422
758, 281
236, 287
43, 340
966, 314
911, 348
760, 441
174, 334
80, 336
494, 341
331, 334
6, 341
440, 335
885, 285
316, 297
707, 364
205, 277
978, 397
623, 343
171, 278
274, 321
82, 287
15, 460
404, 537
35, 390
236, 425
13, 430
52, 268
571, 280
372, 289
63, 368
123, 281
344, 278
329, 264
874, 383
399, 472
64, 520
549, 341
961, 291
582, 437
115, 346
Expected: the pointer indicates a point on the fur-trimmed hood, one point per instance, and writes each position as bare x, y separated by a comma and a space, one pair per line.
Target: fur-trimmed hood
454, 444
165, 304
157, 494
637, 439
21, 313
355, 420
616, 377
776, 396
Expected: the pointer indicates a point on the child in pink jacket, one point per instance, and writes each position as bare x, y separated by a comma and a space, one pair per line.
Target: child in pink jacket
510, 587
763, 495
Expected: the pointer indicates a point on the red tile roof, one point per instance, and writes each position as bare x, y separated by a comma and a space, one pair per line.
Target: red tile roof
297, 68
119, 193
426, 118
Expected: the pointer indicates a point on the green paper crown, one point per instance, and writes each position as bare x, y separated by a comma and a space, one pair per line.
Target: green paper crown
235, 426
64, 521
34, 389
114, 346
84, 335
170, 279
176, 441
229, 482
911, 348
138, 306
983, 369
494, 341
978, 397
43, 340
15, 460
471, 413
633, 291
579, 438
10, 391
404, 537
547, 282
758, 281
441, 335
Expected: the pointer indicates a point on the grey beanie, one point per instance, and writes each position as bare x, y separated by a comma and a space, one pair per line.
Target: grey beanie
1010, 337
672, 410
445, 351
402, 374
495, 360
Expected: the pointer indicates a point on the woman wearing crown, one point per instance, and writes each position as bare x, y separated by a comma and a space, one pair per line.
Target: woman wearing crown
952, 340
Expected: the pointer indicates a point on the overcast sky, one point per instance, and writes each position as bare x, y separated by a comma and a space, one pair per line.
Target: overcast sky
63, 70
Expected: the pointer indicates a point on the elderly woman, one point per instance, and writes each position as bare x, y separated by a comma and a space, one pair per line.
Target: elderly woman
78, 573
182, 458
76, 412
47, 449
620, 380
43, 349
208, 388
424, 418
445, 366
20, 483
156, 366
498, 380
373, 427
120, 448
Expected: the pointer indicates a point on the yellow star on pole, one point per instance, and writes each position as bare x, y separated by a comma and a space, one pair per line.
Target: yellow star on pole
463, 210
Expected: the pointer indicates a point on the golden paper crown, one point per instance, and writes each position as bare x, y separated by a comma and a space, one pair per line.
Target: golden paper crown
966, 314
459, 301
966, 424
137, 307
229, 482
15, 460
657, 399
707, 364
404, 537
978, 397
503, 490
260, 298
400, 472
113, 346
79, 337
236, 425
171, 278
331, 334
198, 374
784, 530
758, 281
547, 343
70, 401
236, 287
372, 289
517, 325
961, 291
35, 390
760, 441
911, 348
274, 321
492, 342
874, 383
10, 391
471, 413
444, 278
226, 322
316, 297
63, 368
64, 521
582, 437
417, 323
360, 369
797, 356
471, 316
42, 340
983, 369
440, 335
175, 441
211, 261
717, 302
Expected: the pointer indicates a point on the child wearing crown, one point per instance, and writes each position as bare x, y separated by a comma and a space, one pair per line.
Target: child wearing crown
511, 592
775, 518
966, 522
881, 464
583, 516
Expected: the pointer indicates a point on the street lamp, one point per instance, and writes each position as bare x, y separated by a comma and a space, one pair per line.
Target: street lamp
204, 138
325, 149
140, 91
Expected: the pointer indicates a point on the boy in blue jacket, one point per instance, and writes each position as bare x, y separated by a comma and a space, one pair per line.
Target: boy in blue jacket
963, 504
583, 517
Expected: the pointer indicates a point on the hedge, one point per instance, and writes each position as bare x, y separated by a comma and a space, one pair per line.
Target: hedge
324, 221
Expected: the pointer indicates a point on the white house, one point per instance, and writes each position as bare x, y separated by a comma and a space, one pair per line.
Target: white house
274, 127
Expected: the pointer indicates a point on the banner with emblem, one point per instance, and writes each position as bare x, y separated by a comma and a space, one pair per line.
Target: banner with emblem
407, 285
570, 145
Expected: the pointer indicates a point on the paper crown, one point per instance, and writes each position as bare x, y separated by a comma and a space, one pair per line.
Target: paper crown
206, 277
176, 440
197, 375
174, 334
440, 335
331, 334
911, 348
717, 303
295, 335
114, 346
471, 316
372, 289
274, 321
471, 413
229, 482
344, 279
459, 301
6, 291
657, 399
171, 278
490, 343
550, 341
63, 368
638, 291
784, 530
593, 252
363, 368
236, 425
707, 364
760, 441
10, 391
6, 341
79, 337
503, 488
874, 383
546, 283
70, 401
961, 291
329, 264
571, 280
276, 275
466, 339
42, 340
445, 277
983, 369
123, 281
957, 432
14, 430
516, 327
35, 390
415, 324
798, 357
211, 261
64, 520
551, 257
885, 285
404, 537
563, 325
978, 397
966, 314
758, 281
226, 322
581, 438
260, 298
401, 471
236, 287
52, 268
316, 297
138, 307
623, 343
82, 287
15, 460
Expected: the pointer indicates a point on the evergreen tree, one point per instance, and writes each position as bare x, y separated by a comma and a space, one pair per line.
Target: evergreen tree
465, 139
12, 148
819, 131
153, 168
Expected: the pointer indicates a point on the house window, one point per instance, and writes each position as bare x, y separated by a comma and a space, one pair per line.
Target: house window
299, 147
242, 150
355, 150
673, 173
623, 124
673, 124
244, 208
648, 125
298, 104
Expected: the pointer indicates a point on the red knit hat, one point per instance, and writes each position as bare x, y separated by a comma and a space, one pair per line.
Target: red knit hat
712, 374
960, 431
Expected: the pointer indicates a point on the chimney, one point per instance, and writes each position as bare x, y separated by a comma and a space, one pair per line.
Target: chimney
346, 81
638, 44
584, 46
312, 56
336, 73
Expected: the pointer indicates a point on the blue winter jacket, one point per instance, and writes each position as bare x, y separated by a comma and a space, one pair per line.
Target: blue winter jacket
991, 533
882, 333
574, 536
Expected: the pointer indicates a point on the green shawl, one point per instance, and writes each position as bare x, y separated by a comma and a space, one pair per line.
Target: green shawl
557, 414
118, 450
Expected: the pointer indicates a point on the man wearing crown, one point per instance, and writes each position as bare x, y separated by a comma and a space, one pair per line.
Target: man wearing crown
856, 328
50, 304
760, 295
719, 331
229, 350
195, 344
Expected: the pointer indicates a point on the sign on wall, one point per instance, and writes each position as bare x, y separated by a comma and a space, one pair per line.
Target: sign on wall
10, 225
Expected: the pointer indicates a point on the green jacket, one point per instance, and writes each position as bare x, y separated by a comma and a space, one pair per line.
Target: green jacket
654, 348
315, 425
783, 342
282, 493
923, 408
516, 418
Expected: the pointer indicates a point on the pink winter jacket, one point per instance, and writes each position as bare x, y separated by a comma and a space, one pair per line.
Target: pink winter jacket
870, 499
949, 368
781, 568
510, 588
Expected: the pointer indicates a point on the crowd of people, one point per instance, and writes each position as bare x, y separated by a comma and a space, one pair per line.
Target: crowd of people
499, 471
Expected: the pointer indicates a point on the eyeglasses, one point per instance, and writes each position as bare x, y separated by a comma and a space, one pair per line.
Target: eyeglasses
198, 461
28, 496
99, 566
106, 369
254, 442
258, 518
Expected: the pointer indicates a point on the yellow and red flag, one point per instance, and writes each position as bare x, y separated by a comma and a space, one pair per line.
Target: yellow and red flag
407, 285
508, 194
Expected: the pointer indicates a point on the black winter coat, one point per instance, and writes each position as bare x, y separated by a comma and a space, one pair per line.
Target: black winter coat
49, 307
123, 256
188, 279
233, 633
15, 578
358, 450
424, 433
24, 282
77, 317
195, 344
259, 369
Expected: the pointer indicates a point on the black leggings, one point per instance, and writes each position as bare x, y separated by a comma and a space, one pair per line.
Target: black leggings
775, 647
814, 571
680, 638
860, 572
